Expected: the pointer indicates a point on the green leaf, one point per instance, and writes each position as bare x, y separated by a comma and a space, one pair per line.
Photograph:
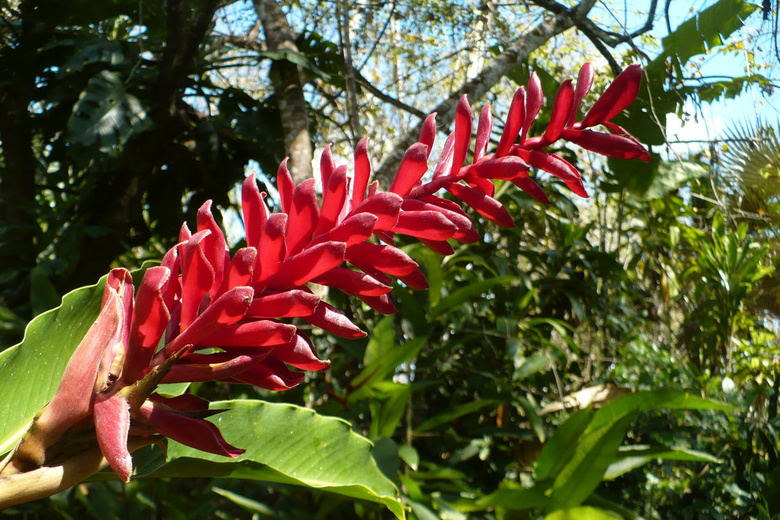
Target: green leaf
706, 29
598, 445
105, 113
582, 513
386, 365
382, 341
470, 292
290, 445
458, 411
253, 506
517, 498
386, 414
632, 457
561, 446
672, 175
409, 455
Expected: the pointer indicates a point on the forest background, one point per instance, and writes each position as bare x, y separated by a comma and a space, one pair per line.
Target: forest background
119, 119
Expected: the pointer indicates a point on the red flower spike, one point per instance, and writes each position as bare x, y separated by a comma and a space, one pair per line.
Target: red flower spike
299, 353
444, 165
273, 246
483, 204
484, 127
382, 304
303, 217
254, 211
240, 270
286, 304
413, 167
251, 333
430, 225
514, 123
428, 132
616, 98
533, 104
197, 277
327, 166
352, 282
207, 299
182, 427
352, 230
215, 246
307, 265
213, 367
271, 374
584, 82
150, 319
285, 185
224, 311
331, 320
462, 134
362, 172
112, 424
385, 206
560, 112
334, 195
528, 185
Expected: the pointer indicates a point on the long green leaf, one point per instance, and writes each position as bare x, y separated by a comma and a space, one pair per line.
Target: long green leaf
598, 446
632, 457
454, 413
582, 513
468, 293
290, 445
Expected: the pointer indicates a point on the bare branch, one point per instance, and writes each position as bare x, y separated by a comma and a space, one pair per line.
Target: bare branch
491, 74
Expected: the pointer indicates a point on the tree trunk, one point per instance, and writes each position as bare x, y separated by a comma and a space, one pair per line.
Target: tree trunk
288, 88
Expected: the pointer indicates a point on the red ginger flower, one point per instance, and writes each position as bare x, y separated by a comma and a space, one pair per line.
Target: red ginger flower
201, 298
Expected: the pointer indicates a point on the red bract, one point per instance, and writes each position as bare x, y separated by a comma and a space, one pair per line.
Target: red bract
238, 308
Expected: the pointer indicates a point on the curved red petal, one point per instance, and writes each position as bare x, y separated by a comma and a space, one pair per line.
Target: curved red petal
285, 304
584, 82
112, 424
463, 122
254, 211
307, 265
484, 128
616, 98
285, 185
362, 172
413, 167
251, 333
334, 195
329, 319
514, 123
